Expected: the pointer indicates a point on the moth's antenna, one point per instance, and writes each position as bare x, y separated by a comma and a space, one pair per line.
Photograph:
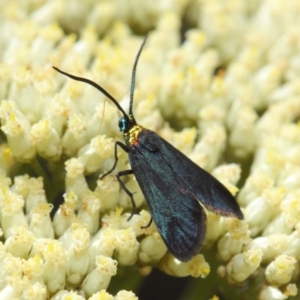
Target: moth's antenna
133, 77
95, 85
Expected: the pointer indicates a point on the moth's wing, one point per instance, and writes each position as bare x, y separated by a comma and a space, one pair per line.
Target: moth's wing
208, 190
178, 215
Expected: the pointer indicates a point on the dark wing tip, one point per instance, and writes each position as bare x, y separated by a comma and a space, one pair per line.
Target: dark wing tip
221, 202
239, 215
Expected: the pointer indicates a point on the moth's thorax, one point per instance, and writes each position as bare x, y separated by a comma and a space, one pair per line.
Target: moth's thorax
131, 136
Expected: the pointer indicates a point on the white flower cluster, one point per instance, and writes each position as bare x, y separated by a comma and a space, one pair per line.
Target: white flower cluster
59, 131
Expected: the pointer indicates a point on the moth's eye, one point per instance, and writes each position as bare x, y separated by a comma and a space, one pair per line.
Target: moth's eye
122, 124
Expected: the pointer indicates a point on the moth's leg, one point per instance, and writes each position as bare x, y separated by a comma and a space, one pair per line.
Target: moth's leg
144, 227
124, 173
123, 147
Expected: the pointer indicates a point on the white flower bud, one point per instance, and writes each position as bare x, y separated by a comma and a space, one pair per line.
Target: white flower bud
233, 241
216, 227
290, 207
100, 277
75, 136
94, 154
279, 225
263, 209
40, 222
229, 172
57, 113
125, 295
293, 244
266, 80
254, 186
268, 162
242, 136
12, 211
152, 249
211, 113
46, 140
287, 179
102, 243
65, 215
33, 269
271, 246
108, 191
113, 220
20, 242
34, 191
76, 241
274, 293
75, 180
67, 295
36, 291
280, 271
7, 160
11, 273
103, 295
9, 292
43, 43
126, 246
21, 186
212, 145
89, 213
196, 267
16, 127
55, 260
243, 265
103, 121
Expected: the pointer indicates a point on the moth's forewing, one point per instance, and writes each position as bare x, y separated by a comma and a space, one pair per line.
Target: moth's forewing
175, 210
208, 190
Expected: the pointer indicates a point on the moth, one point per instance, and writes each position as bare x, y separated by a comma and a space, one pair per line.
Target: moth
176, 190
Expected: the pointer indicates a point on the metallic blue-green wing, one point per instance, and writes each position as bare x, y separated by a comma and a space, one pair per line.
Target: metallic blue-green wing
207, 189
174, 187
175, 210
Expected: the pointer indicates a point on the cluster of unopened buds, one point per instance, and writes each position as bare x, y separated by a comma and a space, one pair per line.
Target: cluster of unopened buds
231, 89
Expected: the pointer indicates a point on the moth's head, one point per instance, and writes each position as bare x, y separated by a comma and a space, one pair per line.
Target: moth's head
126, 123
